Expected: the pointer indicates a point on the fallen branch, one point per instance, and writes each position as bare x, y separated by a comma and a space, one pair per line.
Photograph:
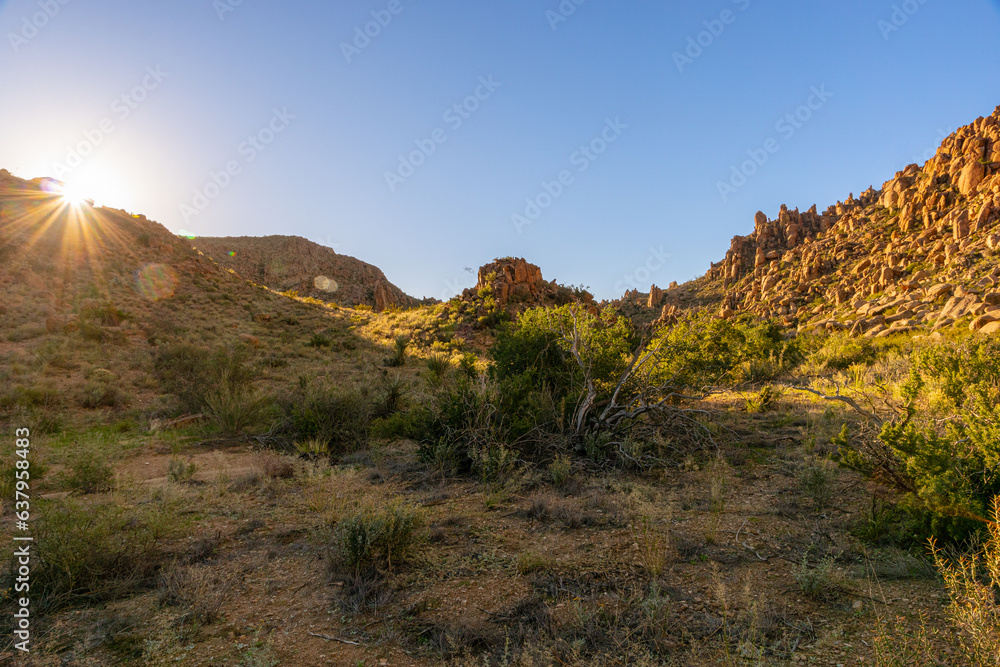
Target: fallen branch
847, 400
334, 639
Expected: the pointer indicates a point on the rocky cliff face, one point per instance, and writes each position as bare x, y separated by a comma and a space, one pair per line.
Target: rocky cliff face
287, 263
516, 285
922, 252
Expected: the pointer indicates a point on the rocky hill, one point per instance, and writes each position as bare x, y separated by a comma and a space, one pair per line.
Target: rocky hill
515, 285
292, 263
917, 255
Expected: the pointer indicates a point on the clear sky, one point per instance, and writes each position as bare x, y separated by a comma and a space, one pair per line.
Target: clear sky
609, 116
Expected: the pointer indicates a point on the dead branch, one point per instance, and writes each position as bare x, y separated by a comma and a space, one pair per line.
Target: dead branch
847, 400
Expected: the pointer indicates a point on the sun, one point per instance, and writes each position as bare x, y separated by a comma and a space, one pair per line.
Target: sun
74, 195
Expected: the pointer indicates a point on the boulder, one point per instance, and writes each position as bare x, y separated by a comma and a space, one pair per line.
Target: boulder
991, 328
971, 177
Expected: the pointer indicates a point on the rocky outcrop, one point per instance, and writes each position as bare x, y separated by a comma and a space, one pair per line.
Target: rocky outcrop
514, 285
511, 279
915, 253
291, 263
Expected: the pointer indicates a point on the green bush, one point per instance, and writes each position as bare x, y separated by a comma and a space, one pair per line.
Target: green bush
764, 400
92, 553
840, 351
235, 407
180, 471
944, 456
190, 372
319, 340
89, 470
700, 351
438, 366
398, 356
337, 416
376, 538
102, 393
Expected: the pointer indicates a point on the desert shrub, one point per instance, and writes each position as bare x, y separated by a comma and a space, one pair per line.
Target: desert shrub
179, 470
701, 351
414, 424
89, 470
28, 397
107, 315
764, 400
93, 553
972, 582
390, 397
398, 356
438, 366
204, 592
560, 470
102, 392
816, 481
819, 582
272, 465
235, 406
313, 448
840, 351
493, 462
319, 340
944, 455
375, 538
538, 347
340, 417
467, 365
190, 372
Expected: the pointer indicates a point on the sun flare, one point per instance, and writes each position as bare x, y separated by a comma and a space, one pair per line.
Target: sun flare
73, 194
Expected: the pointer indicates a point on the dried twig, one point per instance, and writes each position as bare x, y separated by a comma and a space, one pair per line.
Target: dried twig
334, 639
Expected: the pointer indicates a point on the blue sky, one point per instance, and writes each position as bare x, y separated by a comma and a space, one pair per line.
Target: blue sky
162, 96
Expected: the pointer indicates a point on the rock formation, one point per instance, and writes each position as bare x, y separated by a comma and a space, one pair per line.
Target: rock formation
291, 263
887, 260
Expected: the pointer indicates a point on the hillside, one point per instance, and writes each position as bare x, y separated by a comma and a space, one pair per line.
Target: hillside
917, 255
291, 263
94, 296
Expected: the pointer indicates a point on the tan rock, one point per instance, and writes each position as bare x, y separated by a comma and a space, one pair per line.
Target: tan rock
960, 226
983, 218
982, 321
971, 177
990, 328
655, 297
939, 290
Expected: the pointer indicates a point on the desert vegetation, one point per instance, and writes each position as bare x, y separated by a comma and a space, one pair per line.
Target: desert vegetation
520, 476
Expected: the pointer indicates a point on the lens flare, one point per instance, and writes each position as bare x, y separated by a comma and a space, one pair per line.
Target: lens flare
325, 284
156, 281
